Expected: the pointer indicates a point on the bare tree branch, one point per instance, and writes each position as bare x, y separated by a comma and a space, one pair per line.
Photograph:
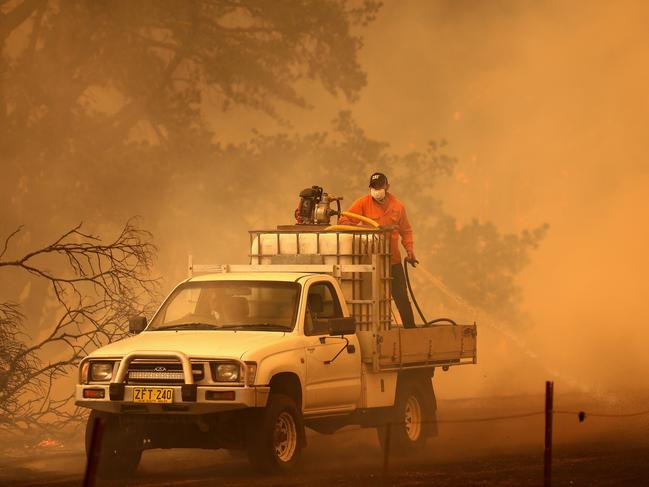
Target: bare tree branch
6, 243
97, 286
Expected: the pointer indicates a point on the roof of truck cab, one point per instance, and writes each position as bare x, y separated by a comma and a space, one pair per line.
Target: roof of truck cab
252, 276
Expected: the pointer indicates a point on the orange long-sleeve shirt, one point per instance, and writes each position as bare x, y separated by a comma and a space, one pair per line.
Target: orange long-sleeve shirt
391, 212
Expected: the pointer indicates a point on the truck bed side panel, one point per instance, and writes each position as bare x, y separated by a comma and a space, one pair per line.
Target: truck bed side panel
435, 345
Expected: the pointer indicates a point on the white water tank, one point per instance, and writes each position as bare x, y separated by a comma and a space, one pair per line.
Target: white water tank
335, 248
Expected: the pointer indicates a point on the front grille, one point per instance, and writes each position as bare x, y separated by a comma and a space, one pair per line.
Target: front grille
147, 375
162, 373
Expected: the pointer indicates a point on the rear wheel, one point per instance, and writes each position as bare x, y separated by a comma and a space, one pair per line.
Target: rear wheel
120, 449
274, 439
412, 419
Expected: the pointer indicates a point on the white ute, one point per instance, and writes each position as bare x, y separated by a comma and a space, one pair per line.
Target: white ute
246, 356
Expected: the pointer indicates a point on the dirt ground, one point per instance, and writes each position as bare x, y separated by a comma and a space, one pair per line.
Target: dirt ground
597, 452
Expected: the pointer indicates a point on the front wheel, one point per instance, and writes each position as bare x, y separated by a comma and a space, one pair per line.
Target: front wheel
120, 450
274, 440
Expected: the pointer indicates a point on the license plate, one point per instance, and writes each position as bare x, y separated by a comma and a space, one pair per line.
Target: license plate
153, 394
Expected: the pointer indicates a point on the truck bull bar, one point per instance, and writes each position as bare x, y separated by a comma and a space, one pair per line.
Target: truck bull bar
117, 386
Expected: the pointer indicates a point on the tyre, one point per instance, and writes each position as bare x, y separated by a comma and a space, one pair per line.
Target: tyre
121, 448
274, 440
412, 420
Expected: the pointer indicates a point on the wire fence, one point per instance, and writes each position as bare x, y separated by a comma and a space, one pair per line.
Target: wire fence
583, 414
390, 426
580, 415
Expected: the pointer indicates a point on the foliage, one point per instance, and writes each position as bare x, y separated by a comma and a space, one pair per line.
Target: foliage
104, 113
152, 152
157, 61
481, 264
475, 260
103, 103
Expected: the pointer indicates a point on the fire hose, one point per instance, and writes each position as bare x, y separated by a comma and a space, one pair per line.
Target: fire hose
414, 299
354, 228
376, 227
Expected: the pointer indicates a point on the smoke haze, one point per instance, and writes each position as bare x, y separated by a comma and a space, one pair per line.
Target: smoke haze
545, 104
546, 107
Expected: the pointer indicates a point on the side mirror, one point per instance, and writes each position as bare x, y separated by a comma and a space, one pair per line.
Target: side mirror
342, 326
137, 324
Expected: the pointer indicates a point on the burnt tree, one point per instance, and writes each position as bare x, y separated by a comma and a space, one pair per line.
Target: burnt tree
95, 287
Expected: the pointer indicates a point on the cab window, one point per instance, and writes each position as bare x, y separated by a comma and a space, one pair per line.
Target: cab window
322, 304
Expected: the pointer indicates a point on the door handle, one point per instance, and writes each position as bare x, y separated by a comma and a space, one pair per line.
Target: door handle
310, 349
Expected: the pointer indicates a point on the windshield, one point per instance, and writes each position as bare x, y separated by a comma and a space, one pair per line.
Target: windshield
243, 305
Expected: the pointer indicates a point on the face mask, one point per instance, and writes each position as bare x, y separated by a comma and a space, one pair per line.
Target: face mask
378, 194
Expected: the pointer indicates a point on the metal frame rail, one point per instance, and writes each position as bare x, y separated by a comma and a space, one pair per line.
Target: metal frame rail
362, 268
368, 297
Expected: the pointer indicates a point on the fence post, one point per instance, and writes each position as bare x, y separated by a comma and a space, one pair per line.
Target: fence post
386, 450
93, 453
547, 464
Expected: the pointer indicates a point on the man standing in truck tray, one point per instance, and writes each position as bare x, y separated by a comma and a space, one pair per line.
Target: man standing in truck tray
388, 211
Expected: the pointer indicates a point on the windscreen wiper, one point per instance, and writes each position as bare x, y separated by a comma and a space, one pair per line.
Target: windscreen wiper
189, 326
257, 325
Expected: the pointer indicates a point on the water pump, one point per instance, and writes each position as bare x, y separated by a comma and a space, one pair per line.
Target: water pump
315, 207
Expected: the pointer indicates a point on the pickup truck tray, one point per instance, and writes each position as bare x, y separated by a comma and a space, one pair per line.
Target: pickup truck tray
360, 262
410, 347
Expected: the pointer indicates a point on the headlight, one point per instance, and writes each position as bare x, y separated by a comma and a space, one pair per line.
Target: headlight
101, 371
226, 372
